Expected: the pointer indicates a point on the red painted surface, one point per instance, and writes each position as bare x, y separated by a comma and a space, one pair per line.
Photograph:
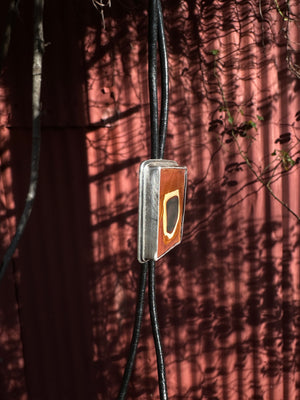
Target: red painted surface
228, 296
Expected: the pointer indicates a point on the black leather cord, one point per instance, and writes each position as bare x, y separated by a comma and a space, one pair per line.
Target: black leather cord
156, 33
158, 138
152, 76
136, 332
156, 336
164, 82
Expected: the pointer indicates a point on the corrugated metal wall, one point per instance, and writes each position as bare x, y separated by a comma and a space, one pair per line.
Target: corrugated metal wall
228, 297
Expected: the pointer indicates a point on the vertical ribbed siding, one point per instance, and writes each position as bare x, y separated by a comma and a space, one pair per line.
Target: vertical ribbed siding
228, 297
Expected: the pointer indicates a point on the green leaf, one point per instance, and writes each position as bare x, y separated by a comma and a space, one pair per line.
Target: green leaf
289, 159
260, 118
274, 153
230, 119
252, 124
215, 52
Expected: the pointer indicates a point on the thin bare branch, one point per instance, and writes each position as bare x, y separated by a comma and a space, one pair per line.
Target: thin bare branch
38, 49
6, 36
261, 180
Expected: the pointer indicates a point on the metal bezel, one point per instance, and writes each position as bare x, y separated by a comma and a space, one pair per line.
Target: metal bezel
149, 187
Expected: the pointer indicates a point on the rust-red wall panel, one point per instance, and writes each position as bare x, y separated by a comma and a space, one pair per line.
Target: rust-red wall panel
228, 296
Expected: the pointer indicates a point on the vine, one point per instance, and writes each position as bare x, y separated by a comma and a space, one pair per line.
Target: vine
281, 157
285, 18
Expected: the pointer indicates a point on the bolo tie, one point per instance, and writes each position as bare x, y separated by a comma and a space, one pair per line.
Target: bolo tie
162, 191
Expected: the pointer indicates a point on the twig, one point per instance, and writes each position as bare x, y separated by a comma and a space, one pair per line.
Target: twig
38, 49
259, 178
99, 5
241, 152
7, 32
285, 18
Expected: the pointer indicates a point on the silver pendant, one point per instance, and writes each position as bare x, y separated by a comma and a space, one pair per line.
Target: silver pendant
162, 194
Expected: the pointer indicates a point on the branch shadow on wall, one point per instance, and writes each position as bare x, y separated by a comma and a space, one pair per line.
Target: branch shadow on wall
225, 325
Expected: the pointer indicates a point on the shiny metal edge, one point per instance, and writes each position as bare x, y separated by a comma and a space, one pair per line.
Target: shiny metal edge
144, 215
